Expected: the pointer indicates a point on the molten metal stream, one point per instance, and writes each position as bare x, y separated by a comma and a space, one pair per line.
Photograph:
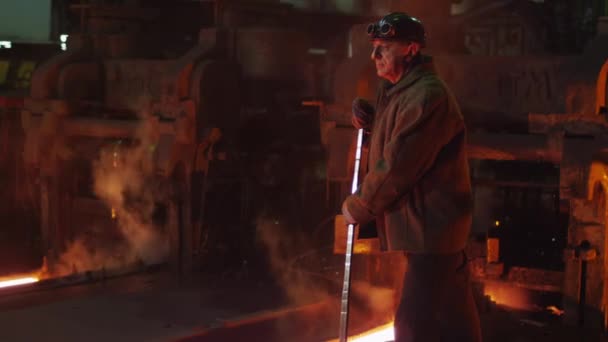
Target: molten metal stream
17, 281
381, 334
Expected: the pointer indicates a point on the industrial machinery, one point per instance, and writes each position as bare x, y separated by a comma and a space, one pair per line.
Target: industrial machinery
19, 236
171, 143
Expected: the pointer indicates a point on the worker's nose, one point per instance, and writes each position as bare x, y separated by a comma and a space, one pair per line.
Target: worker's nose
375, 53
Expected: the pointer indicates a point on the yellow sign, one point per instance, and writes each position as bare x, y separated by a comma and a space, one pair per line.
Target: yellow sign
4, 66
24, 74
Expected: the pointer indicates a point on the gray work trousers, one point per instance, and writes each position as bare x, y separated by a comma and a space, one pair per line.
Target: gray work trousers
437, 301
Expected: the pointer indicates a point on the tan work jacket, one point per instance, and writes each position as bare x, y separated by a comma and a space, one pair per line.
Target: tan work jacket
418, 186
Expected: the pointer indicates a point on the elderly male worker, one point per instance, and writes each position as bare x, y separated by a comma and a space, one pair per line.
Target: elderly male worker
417, 188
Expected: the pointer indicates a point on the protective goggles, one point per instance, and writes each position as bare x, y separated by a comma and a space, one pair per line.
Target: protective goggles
381, 30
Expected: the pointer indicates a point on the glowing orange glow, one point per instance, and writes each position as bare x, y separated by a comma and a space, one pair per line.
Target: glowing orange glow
113, 213
115, 159
24, 278
497, 223
507, 295
17, 281
555, 310
382, 333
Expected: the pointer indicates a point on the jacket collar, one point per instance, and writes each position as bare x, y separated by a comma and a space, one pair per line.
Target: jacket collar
420, 68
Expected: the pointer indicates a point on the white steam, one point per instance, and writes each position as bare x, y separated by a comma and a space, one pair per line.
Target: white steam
124, 179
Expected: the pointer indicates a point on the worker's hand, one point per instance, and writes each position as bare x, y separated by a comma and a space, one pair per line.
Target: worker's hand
347, 216
363, 114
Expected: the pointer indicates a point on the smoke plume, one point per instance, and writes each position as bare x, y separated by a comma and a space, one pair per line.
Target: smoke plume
281, 247
85, 254
124, 179
380, 302
284, 245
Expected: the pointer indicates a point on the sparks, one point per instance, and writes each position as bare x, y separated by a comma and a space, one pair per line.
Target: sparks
18, 281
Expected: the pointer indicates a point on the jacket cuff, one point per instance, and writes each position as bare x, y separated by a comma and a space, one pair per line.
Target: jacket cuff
358, 210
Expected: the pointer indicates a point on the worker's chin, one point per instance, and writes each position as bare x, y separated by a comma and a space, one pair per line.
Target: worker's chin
381, 72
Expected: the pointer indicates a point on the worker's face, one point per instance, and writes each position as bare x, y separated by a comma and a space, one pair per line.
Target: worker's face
389, 57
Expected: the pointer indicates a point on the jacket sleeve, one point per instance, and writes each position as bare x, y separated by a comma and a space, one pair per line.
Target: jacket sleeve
420, 131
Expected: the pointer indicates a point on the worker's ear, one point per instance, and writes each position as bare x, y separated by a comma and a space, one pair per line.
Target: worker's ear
412, 49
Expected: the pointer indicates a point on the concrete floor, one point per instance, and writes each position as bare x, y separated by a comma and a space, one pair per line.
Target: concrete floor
154, 307
507, 325
138, 308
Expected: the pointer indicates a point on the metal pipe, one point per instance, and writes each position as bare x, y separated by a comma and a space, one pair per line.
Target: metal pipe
104, 128
512, 147
100, 128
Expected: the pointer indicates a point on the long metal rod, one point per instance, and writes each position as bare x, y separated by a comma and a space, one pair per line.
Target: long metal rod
350, 237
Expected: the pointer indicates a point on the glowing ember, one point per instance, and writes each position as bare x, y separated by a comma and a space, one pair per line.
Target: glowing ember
17, 281
555, 310
113, 213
